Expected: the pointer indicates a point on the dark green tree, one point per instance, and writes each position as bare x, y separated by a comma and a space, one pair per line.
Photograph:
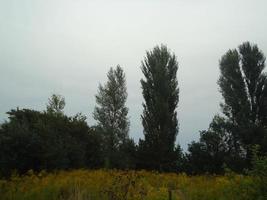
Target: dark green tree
111, 114
243, 85
214, 151
159, 118
56, 104
44, 140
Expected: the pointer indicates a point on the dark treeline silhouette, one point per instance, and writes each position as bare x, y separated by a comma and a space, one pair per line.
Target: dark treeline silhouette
51, 140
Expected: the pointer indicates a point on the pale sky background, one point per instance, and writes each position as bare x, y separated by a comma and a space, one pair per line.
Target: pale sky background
67, 46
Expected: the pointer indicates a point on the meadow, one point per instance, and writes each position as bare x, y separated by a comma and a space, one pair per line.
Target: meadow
126, 185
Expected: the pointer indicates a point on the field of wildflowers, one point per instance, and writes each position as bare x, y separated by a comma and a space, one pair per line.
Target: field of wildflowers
125, 185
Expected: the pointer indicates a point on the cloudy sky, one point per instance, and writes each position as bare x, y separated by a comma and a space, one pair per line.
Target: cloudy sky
67, 46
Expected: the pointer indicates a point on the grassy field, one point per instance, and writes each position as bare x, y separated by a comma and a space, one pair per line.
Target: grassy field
126, 185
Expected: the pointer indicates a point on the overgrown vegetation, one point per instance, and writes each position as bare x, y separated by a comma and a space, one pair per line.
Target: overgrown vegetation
127, 185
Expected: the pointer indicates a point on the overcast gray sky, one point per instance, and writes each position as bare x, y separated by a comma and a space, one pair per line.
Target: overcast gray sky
67, 47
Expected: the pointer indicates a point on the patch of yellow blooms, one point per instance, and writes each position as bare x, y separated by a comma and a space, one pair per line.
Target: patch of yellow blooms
124, 185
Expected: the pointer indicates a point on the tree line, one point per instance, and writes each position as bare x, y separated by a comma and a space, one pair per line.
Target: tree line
51, 140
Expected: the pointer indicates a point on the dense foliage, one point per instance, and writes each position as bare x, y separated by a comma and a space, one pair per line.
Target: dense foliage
43, 140
229, 140
159, 119
244, 89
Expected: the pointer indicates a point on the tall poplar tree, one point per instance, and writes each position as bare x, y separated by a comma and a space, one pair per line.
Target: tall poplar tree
159, 118
229, 139
111, 113
243, 85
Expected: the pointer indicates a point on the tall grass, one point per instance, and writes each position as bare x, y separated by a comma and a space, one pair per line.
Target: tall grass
125, 185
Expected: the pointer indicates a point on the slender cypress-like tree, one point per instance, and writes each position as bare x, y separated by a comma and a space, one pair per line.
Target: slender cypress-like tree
159, 118
111, 113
